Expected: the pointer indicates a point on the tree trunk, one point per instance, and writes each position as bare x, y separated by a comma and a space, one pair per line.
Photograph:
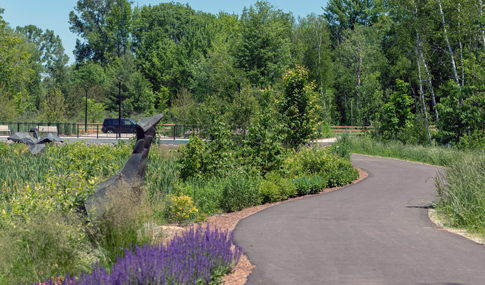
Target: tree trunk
448, 43
429, 80
422, 96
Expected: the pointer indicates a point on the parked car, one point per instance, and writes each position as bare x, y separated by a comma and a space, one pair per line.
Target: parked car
110, 126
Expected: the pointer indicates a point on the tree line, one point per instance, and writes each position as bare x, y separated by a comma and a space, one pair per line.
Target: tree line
400, 65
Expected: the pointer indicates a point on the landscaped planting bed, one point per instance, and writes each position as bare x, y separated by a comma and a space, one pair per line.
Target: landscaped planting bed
45, 239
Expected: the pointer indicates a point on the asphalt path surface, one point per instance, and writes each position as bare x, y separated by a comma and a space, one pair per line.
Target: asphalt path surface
376, 231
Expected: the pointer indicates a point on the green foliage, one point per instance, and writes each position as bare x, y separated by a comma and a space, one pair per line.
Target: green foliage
264, 51
342, 146
240, 190
297, 107
14, 70
206, 194
285, 187
397, 112
321, 161
137, 95
54, 106
474, 141
359, 63
269, 192
262, 147
96, 111
212, 158
309, 184
461, 113
121, 227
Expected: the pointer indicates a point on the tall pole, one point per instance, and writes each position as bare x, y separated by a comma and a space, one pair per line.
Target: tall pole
86, 114
119, 106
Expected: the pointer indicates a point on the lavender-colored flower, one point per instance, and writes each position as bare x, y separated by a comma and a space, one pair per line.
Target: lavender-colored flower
188, 259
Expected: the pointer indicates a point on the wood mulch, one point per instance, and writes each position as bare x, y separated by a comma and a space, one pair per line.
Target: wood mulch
228, 222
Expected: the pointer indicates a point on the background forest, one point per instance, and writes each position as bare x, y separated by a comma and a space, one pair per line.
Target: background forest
399, 65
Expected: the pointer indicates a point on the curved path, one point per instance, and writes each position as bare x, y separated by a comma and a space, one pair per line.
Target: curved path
374, 232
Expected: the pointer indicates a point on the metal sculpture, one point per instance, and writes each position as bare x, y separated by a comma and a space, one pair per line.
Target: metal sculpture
129, 181
35, 144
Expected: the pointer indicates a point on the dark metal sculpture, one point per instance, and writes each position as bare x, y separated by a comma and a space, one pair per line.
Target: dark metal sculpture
35, 144
129, 181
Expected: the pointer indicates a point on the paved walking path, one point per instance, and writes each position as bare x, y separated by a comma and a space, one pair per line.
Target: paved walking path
374, 232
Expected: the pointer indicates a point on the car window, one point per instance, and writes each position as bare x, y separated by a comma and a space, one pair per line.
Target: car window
134, 123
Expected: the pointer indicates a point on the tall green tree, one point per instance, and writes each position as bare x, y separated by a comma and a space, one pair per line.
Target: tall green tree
119, 29
397, 112
88, 20
15, 72
298, 107
346, 14
136, 92
264, 50
359, 63
311, 47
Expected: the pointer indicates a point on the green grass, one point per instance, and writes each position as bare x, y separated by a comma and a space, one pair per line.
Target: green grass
461, 189
435, 155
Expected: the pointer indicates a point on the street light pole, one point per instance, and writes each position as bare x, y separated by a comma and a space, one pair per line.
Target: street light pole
86, 114
119, 105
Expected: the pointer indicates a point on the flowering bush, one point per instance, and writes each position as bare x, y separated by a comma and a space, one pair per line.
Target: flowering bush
181, 209
197, 257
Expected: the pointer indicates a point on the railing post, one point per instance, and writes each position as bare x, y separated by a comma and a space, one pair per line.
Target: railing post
174, 132
77, 130
97, 131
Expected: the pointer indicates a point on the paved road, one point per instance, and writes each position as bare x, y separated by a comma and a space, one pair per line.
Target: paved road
374, 232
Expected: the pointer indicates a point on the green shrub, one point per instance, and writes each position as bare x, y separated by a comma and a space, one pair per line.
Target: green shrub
309, 184
303, 186
206, 194
317, 184
342, 176
323, 162
269, 192
475, 141
342, 146
285, 186
240, 190
181, 209
43, 246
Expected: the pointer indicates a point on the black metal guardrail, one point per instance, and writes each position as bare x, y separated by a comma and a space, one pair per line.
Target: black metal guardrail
81, 130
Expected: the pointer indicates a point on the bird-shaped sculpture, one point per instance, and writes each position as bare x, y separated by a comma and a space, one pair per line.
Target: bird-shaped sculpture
127, 183
35, 144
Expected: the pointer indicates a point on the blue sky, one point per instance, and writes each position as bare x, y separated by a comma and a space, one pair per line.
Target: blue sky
54, 14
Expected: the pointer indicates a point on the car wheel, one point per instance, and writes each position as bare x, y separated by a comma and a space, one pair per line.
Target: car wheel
110, 131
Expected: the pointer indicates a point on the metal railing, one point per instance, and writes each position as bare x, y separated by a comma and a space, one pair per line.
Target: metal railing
94, 130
